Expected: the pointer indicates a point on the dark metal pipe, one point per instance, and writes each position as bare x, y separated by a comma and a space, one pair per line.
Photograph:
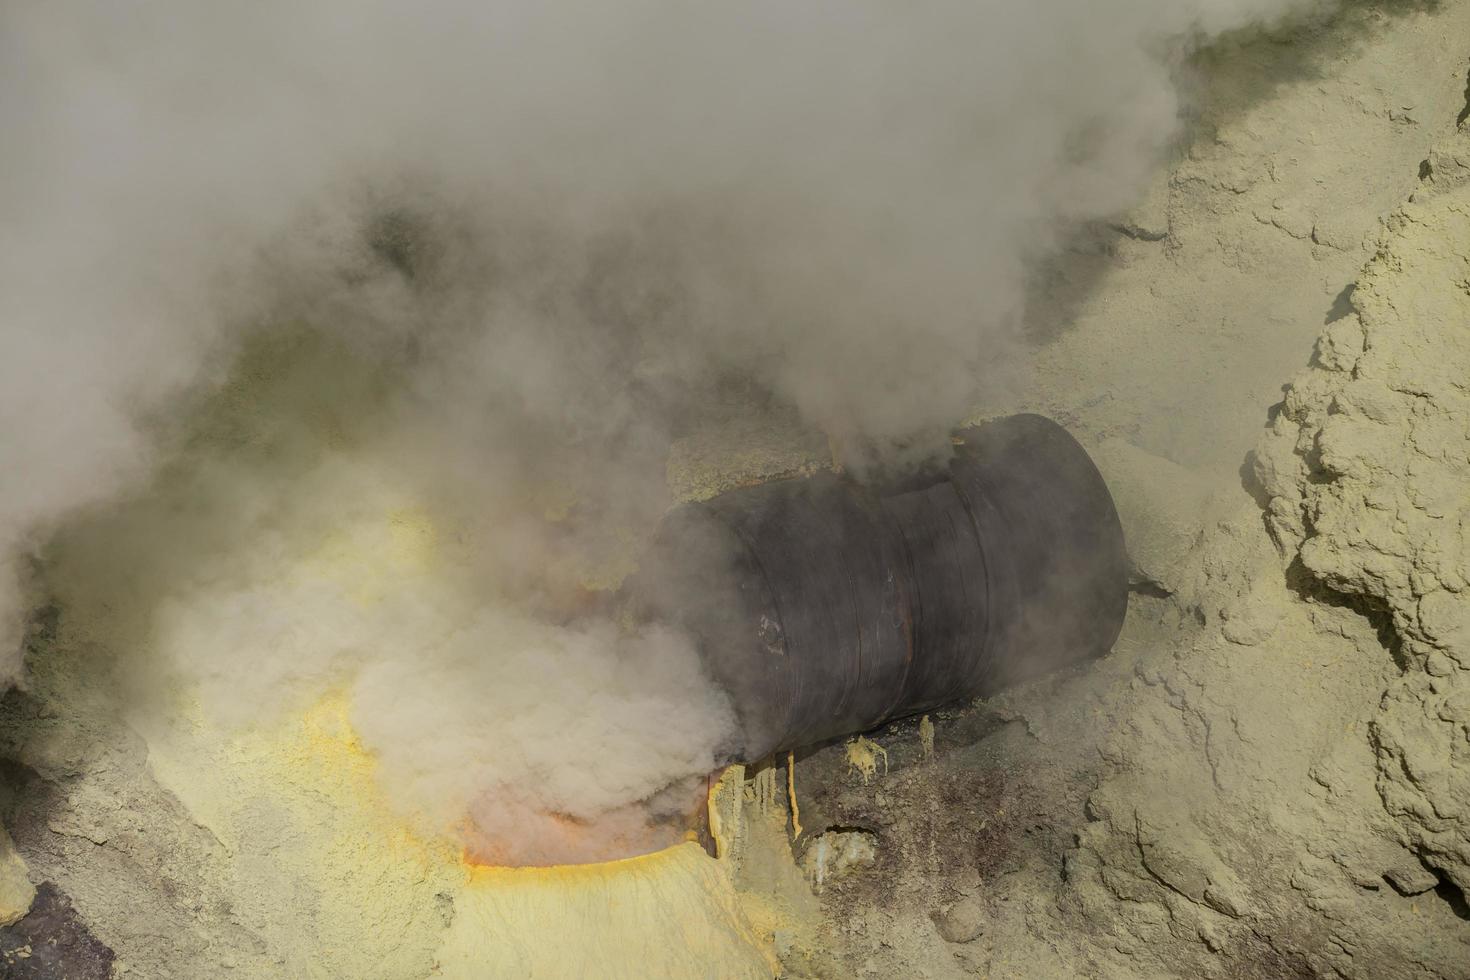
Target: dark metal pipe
825, 608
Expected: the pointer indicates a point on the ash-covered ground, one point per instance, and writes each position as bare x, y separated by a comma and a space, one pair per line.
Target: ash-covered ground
1268, 777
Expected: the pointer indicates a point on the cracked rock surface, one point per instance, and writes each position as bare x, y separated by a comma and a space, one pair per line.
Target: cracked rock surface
1368, 467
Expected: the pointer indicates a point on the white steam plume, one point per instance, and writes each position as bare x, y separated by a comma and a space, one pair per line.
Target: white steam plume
540, 232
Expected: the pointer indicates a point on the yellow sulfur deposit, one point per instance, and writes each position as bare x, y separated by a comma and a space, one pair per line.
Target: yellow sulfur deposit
674, 913
336, 881
863, 757
390, 903
791, 795
726, 807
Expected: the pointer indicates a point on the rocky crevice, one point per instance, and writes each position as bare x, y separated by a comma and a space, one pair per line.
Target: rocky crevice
1366, 468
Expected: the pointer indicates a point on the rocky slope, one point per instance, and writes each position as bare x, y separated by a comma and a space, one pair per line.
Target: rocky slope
1267, 778
1270, 775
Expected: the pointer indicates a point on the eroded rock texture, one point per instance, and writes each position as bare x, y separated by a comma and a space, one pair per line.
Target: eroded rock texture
1368, 467
1288, 793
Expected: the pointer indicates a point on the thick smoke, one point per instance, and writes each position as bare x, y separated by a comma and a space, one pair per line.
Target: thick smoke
278, 278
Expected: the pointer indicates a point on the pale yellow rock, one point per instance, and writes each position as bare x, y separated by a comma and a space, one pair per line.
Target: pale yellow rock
1370, 459
16, 890
1161, 506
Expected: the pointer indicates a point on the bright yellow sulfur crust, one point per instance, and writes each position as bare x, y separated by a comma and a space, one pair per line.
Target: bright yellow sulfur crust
322, 866
674, 913
388, 902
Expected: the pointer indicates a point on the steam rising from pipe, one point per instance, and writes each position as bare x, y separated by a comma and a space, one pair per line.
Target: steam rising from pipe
273, 273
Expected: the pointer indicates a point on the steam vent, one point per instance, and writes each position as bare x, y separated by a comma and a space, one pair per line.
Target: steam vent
735, 491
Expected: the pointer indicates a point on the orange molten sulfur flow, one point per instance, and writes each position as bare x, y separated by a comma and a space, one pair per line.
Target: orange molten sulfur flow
552, 839
671, 913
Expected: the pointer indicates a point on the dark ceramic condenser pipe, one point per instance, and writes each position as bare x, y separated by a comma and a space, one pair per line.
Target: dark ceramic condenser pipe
824, 608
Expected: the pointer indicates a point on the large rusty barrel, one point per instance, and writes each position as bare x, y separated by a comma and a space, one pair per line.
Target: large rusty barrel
826, 608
